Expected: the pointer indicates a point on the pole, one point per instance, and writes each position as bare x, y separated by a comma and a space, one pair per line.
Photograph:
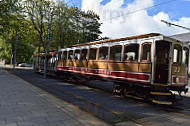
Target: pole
16, 43
48, 46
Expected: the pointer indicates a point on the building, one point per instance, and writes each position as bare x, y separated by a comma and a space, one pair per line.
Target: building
2, 62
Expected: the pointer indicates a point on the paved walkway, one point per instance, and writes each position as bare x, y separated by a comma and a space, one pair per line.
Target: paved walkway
22, 104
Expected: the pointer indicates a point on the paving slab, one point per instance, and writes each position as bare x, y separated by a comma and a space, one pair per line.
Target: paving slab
22, 104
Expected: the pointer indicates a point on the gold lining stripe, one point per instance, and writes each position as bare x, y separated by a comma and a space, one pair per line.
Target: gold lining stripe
162, 102
160, 93
164, 85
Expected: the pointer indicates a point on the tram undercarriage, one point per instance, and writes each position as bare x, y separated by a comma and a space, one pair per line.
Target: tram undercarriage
158, 94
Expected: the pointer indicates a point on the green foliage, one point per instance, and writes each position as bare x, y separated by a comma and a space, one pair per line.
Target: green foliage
31, 19
5, 50
39, 12
90, 26
73, 26
9, 13
26, 43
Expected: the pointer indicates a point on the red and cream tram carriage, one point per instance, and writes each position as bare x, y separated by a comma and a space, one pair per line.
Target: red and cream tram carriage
150, 66
39, 62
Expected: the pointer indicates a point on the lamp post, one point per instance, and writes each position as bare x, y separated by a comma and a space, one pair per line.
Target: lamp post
48, 46
16, 43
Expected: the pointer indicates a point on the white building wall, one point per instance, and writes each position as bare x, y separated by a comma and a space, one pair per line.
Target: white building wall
2, 62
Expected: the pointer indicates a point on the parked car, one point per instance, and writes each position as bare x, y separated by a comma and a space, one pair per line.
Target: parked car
24, 65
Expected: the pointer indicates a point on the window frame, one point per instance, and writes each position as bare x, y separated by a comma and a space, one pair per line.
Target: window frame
120, 56
69, 54
87, 55
95, 54
60, 53
66, 58
183, 48
99, 53
142, 50
79, 54
180, 58
136, 60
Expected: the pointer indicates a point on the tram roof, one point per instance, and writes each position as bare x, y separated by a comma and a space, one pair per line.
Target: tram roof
184, 37
120, 39
124, 39
43, 53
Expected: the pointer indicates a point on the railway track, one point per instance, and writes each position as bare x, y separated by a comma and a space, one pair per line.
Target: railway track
175, 108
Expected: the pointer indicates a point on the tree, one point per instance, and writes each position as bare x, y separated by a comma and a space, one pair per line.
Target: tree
9, 10
39, 12
90, 26
12, 22
72, 26
26, 42
30, 19
10, 17
61, 24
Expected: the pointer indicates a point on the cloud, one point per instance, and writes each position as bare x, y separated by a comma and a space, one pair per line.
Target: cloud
137, 21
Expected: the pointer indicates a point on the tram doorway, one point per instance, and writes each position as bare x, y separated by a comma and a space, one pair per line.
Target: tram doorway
162, 62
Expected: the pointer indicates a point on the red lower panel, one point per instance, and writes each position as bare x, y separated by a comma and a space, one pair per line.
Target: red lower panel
131, 75
120, 75
179, 80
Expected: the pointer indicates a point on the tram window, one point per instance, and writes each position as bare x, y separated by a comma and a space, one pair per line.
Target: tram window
177, 54
77, 54
84, 53
115, 53
185, 58
60, 55
103, 53
70, 54
131, 52
38, 61
64, 57
56, 57
146, 55
92, 55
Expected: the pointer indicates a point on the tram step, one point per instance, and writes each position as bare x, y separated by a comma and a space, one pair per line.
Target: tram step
162, 85
162, 102
160, 93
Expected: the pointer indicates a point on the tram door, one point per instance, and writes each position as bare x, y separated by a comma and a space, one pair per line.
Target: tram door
162, 62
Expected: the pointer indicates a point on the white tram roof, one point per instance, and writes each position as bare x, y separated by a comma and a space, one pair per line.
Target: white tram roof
185, 37
132, 39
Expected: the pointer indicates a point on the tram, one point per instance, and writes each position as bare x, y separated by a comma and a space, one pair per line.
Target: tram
151, 66
39, 62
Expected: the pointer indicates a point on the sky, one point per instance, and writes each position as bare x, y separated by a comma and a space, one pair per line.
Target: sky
135, 17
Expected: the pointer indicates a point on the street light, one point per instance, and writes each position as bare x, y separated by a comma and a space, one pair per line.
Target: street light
16, 43
48, 46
